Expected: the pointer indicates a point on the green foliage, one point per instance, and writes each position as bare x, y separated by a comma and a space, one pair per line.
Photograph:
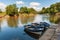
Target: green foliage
23, 10
42, 11
31, 10
54, 8
27, 10
11, 10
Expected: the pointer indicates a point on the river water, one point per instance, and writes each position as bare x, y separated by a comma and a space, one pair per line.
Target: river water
12, 28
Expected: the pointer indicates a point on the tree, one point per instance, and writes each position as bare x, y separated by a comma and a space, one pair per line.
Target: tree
47, 10
31, 10
52, 10
23, 10
12, 10
27, 10
42, 11
58, 6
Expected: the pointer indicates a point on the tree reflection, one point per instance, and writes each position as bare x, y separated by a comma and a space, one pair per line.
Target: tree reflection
0, 23
12, 21
54, 19
35, 36
26, 18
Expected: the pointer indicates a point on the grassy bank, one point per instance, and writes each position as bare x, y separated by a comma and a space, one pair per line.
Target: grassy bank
24, 14
2, 14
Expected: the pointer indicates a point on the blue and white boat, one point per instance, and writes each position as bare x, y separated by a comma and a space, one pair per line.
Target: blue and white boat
35, 27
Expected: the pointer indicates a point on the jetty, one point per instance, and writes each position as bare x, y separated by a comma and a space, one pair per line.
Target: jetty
53, 33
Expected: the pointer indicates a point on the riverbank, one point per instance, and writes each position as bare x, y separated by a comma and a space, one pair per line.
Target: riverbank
31, 14
51, 33
2, 14
57, 33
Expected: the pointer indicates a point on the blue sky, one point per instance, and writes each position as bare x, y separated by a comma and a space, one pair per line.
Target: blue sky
36, 4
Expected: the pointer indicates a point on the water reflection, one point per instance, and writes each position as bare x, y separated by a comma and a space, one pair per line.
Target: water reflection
41, 18
0, 23
54, 19
1, 20
35, 36
12, 21
8, 33
26, 19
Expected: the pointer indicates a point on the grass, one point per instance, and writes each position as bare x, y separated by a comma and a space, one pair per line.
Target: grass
2, 14
24, 14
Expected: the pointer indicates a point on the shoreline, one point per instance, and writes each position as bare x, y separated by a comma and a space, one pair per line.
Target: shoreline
52, 33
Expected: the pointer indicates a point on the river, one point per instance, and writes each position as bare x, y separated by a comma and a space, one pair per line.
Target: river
12, 28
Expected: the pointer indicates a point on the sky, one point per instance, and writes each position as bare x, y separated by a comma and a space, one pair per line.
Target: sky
36, 4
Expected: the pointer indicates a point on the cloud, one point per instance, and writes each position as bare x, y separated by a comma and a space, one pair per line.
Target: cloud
34, 4
2, 6
19, 2
37, 8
